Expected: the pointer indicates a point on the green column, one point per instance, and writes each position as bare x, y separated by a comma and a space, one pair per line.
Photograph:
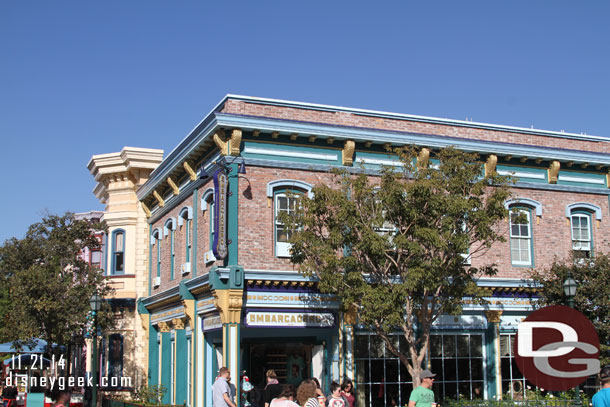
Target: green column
166, 359
492, 343
181, 365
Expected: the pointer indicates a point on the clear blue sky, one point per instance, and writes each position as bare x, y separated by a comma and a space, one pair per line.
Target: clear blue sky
79, 78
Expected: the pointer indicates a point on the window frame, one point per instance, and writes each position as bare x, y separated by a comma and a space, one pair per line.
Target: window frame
582, 214
282, 249
529, 239
113, 269
185, 219
157, 237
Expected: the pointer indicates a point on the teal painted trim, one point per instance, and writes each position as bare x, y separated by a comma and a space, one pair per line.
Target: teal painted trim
194, 242
113, 252
291, 152
188, 246
150, 254
490, 362
522, 173
232, 216
166, 360
141, 308
185, 293
583, 179
153, 356
591, 221
181, 367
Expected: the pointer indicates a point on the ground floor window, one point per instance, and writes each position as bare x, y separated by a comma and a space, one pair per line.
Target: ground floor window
457, 360
513, 382
381, 379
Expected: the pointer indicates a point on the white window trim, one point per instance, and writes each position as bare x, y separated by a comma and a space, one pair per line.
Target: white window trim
282, 249
188, 211
528, 238
590, 231
170, 224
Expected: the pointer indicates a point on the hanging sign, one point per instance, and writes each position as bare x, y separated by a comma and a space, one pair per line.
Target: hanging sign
219, 246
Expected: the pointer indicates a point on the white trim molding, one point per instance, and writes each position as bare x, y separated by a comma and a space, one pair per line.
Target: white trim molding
525, 201
585, 206
189, 214
289, 183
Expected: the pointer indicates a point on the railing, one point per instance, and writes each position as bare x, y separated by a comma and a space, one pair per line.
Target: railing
514, 403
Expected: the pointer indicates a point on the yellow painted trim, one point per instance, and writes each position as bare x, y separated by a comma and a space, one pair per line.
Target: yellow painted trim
423, 157
221, 142
490, 165
348, 152
145, 209
235, 144
554, 172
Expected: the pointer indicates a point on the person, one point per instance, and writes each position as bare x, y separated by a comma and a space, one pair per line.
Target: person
273, 387
307, 395
336, 399
602, 397
347, 391
422, 396
59, 395
9, 396
221, 392
286, 397
319, 392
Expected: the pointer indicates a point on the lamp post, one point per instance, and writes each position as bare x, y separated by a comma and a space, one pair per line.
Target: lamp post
569, 289
95, 303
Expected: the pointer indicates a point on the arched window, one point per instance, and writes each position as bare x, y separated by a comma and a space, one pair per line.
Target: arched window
581, 219
207, 204
155, 243
118, 252
185, 222
285, 194
170, 229
523, 212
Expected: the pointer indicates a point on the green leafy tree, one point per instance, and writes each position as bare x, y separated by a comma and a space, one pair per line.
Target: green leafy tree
592, 296
395, 247
49, 284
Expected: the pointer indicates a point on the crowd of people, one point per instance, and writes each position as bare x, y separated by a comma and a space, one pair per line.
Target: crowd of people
307, 394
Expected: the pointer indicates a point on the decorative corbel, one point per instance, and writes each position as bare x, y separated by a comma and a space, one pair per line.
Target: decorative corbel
348, 152
164, 327
312, 139
493, 316
330, 140
608, 179
368, 144
275, 134
221, 142
422, 158
490, 165
351, 315
189, 170
189, 311
145, 209
173, 186
178, 323
229, 304
159, 199
554, 171
145, 319
294, 136
256, 133
235, 141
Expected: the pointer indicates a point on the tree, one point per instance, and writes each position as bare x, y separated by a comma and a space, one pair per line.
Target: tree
49, 284
395, 247
592, 296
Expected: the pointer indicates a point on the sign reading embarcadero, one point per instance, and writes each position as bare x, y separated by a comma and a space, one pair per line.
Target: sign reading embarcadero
291, 319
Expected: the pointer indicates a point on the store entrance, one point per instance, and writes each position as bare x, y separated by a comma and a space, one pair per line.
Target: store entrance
291, 361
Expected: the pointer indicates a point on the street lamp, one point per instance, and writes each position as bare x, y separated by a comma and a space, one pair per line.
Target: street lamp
569, 289
95, 302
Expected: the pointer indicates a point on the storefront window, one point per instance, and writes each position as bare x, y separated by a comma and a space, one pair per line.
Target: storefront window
381, 379
513, 383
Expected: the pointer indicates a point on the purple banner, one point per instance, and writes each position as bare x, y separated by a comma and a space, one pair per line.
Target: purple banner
219, 246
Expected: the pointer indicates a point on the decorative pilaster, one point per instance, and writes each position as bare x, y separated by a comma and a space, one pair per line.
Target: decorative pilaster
493, 346
164, 327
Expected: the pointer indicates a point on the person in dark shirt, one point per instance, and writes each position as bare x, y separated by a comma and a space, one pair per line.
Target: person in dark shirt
273, 388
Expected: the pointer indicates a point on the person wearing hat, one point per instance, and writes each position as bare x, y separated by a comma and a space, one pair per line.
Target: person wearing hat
602, 397
422, 396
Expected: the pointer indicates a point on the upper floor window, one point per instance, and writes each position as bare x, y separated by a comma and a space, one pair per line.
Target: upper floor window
285, 194
520, 237
156, 245
581, 219
170, 229
185, 221
118, 252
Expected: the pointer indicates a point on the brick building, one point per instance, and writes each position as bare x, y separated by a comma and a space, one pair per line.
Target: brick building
252, 310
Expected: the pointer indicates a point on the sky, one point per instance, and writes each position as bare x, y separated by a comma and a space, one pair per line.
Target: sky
79, 78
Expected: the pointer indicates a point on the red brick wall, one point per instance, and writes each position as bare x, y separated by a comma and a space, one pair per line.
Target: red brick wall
551, 236
348, 119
